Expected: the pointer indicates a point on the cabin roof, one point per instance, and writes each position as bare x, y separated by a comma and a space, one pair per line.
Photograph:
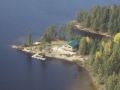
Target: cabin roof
73, 43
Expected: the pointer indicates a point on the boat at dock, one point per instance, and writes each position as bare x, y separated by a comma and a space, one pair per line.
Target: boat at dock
42, 58
37, 56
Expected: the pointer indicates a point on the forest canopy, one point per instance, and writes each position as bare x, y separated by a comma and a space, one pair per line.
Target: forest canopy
102, 19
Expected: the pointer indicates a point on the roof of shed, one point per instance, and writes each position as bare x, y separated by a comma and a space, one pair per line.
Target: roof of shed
73, 43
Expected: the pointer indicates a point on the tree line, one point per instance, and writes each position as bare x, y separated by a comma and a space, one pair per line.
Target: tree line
54, 33
105, 57
105, 61
62, 32
101, 19
105, 54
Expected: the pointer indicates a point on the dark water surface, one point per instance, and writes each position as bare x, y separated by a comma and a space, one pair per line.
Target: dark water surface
18, 71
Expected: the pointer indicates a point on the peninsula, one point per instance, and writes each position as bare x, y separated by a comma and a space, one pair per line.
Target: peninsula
100, 57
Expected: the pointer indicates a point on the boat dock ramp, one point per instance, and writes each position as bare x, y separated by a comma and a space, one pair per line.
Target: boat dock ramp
37, 56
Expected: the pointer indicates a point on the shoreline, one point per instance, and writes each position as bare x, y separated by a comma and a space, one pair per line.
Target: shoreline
80, 60
81, 28
80, 64
57, 54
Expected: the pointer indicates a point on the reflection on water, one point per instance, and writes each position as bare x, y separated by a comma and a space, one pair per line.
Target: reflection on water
43, 64
81, 76
84, 34
21, 72
83, 81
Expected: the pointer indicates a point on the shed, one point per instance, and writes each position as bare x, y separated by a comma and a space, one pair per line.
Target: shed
37, 43
71, 45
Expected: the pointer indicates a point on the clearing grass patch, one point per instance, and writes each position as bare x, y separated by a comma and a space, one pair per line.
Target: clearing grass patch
59, 42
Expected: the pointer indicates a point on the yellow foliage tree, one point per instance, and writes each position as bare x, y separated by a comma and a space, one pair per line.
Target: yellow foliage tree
103, 43
108, 43
107, 47
98, 54
87, 39
117, 38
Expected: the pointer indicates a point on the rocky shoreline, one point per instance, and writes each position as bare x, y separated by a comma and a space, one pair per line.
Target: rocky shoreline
54, 52
81, 60
80, 27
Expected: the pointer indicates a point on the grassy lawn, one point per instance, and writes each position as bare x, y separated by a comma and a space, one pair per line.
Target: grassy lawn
59, 42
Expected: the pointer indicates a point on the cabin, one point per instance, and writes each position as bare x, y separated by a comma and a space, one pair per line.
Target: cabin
37, 43
71, 46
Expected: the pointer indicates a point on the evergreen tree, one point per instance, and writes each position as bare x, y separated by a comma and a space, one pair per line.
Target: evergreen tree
111, 83
95, 25
30, 39
49, 34
69, 30
91, 62
83, 46
103, 19
78, 17
60, 30
94, 19
112, 64
97, 62
53, 30
117, 87
77, 38
93, 47
87, 21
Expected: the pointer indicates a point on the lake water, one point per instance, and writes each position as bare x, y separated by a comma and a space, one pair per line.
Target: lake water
18, 71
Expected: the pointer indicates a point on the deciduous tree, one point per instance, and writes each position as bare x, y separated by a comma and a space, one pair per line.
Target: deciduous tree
117, 38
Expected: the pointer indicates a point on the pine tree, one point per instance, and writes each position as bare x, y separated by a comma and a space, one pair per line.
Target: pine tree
117, 87
97, 62
112, 64
69, 30
87, 21
104, 19
30, 39
111, 83
83, 46
60, 29
93, 47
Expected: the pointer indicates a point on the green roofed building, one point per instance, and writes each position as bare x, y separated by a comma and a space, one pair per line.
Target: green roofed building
71, 45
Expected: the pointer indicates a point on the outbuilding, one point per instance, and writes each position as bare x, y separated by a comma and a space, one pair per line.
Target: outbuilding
71, 45
37, 43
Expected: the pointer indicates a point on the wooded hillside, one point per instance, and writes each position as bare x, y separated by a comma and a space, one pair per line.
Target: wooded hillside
103, 19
